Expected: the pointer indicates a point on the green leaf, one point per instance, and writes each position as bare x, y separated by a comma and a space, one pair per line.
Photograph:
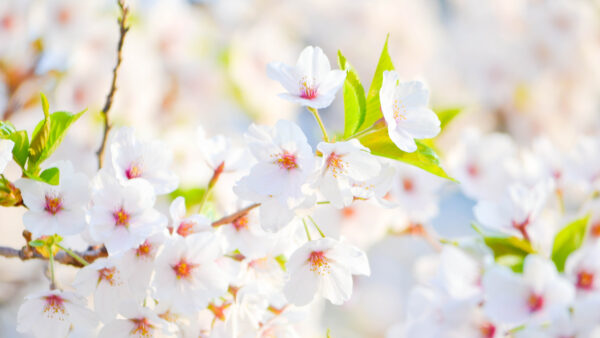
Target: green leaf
354, 98
21, 148
193, 196
281, 260
509, 251
6, 128
447, 115
58, 124
568, 240
50, 176
37, 243
40, 135
424, 157
373, 105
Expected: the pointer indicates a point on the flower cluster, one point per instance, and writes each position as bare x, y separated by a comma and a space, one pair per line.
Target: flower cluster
252, 274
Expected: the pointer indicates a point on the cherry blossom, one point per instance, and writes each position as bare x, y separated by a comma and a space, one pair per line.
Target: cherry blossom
54, 313
311, 82
516, 299
122, 216
131, 158
343, 164
278, 180
6, 147
187, 274
404, 107
183, 225
325, 267
59, 209
107, 282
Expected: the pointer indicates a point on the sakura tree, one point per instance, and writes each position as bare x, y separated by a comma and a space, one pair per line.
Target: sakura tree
287, 223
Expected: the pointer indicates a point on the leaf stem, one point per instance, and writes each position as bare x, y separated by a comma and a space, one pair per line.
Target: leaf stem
316, 226
73, 254
51, 266
306, 229
320, 122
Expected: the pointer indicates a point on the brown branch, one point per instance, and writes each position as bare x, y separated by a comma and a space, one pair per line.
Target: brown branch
124, 28
27, 253
231, 218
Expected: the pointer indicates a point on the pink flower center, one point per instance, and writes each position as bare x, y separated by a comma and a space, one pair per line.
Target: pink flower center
535, 302
595, 229
7, 22
487, 330
473, 170
54, 305
53, 204
64, 16
307, 89
185, 228
240, 223
318, 262
134, 171
121, 217
142, 328
585, 280
408, 185
348, 212
144, 249
287, 161
108, 275
336, 164
183, 269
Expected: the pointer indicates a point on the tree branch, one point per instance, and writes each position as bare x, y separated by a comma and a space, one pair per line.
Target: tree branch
124, 28
90, 255
231, 218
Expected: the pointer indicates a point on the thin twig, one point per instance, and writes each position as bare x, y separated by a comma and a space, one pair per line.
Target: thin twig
233, 217
90, 255
113, 87
61, 257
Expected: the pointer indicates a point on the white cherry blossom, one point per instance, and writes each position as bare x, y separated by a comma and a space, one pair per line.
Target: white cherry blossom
311, 82
324, 267
59, 209
516, 299
343, 164
184, 225
107, 282
6, 147
404, 107
130, 158
53, 313
187, 274
285, 162
122, 216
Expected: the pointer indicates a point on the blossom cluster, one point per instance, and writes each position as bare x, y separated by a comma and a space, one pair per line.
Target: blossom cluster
255, 273
532, 269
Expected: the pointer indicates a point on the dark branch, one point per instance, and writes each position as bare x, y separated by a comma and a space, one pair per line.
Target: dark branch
124, 28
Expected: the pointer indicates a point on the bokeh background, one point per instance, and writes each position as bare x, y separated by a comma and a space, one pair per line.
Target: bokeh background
524, 68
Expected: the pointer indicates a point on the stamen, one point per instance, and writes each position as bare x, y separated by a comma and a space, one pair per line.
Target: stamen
336, 164
53, 204
287, 161
307, 89
121, 217
185, 228
319, 263
183, 269
585, 280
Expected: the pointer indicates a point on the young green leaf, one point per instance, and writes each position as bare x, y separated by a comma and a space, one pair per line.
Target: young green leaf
6, 128
354, 98
568, 240
50, 176
59, 122
40, 135
424, 157
447, 115
373, 105
509, 251
21, 148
